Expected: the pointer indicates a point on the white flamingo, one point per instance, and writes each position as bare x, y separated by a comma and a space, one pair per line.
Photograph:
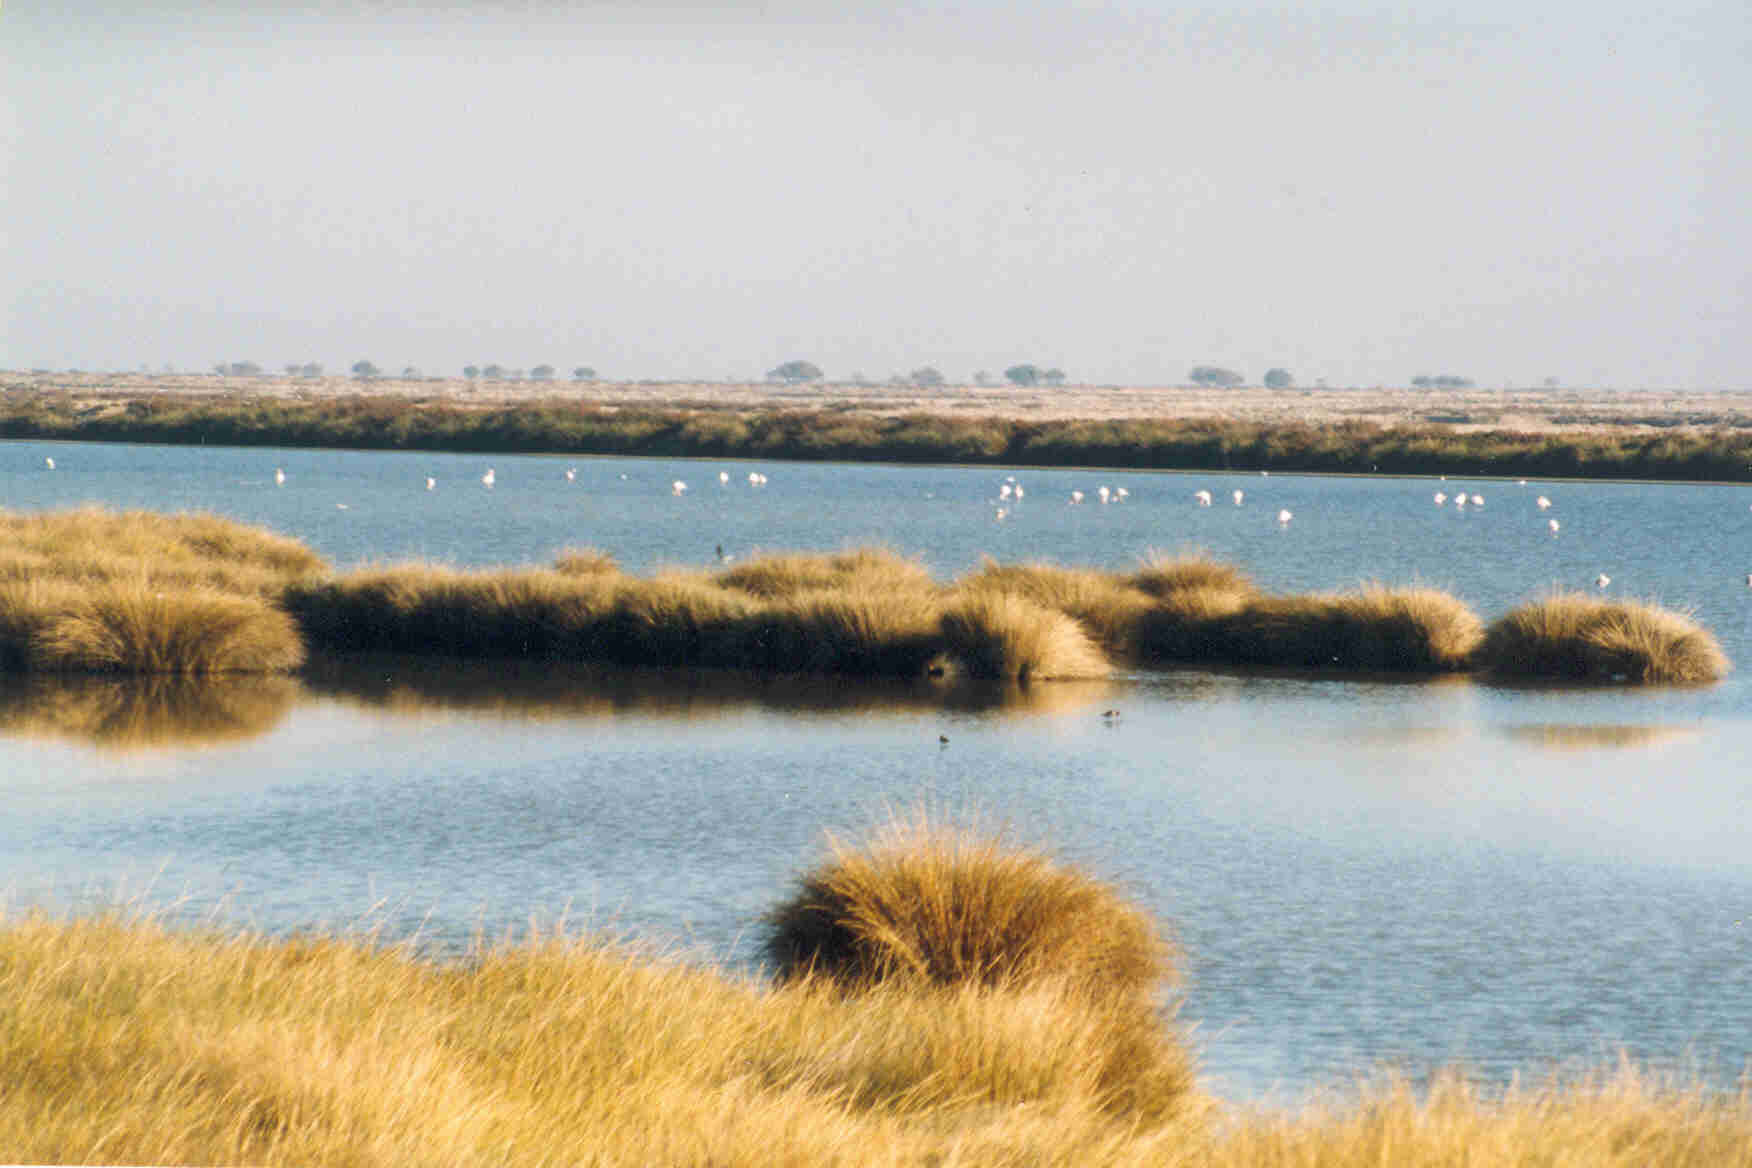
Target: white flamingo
488, 479
571, 475
1238, 496
1478, 500
1018, 490
1441, 499
49, 462
1103, 492
677, 487
1004, 491
1001, 513
1554, 525
1284, 517
1076, 496
279, 476
1602, 580
1460, 500
1203, 497
723, 478
431, 483
1121, 493
1542, 502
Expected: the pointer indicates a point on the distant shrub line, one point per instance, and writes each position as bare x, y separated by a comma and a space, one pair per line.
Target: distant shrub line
1350, 447
94, 591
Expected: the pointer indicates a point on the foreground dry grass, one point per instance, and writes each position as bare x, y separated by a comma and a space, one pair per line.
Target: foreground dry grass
124, 1042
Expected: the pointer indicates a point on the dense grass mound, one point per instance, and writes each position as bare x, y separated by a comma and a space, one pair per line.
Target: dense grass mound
941, 906
1106, 606
1191, 573
1004, 635
784, 574
864, 632
91, 545
1576, 636
585, 561
133, 627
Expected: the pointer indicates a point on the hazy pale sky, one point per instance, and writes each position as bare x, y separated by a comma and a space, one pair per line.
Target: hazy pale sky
1502, 190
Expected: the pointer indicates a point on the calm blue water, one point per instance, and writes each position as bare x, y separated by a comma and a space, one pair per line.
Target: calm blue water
1359, 872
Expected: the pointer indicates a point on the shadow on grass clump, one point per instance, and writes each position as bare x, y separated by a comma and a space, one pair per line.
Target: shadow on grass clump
1105, 605
930, 904
1573, 636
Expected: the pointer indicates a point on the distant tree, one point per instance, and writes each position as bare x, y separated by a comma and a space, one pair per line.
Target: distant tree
365, 370
1278, 379
1023, 374
858, 378
981, 377
583, 373
542, 373
1053, 377
471, 371
493, 372
926, 377
795, 371
310, 369
1442, 381
410, 373
1551, 383
234, 369
291, 369
1215, 377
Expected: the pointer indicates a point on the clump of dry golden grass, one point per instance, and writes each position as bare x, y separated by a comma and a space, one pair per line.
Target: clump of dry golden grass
863, 632
585, 561
95, 545
120, 626
942, 905
1576, 636
781, 574
1191, 571
1004, 635
1105, 605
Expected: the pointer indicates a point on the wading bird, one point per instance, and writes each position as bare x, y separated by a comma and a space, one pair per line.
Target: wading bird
431, 482
1076, 496
1238, 496
723, 478
677, 487
1478, 500
1554, 524
1103, 492
49, 462
1441, 498
1284, 516
279, 477
571, 475
1542, 502
488, 479
1602, 580
1121, 493
1203, 497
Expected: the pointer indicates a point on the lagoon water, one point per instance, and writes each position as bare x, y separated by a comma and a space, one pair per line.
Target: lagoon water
1361, 872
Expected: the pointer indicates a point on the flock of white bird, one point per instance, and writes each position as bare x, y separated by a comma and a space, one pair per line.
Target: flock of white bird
1010, 490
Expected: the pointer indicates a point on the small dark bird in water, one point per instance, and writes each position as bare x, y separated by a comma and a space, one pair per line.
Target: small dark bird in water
1110, 715
943, 738
720, 553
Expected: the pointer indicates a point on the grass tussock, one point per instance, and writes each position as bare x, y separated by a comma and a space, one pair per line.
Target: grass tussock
785, 574
93, 545
1579, 637
1106, 606
1004, 635
863, 633
133, 627
1191, 572
939, 905
586, 561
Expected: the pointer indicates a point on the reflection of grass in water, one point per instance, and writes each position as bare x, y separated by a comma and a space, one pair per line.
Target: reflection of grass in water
540, 691
1556, 736
136, 713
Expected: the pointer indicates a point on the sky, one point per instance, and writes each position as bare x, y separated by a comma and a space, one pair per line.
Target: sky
1507, 191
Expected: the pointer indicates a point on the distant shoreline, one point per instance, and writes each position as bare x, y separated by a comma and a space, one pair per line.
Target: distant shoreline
1695, 436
